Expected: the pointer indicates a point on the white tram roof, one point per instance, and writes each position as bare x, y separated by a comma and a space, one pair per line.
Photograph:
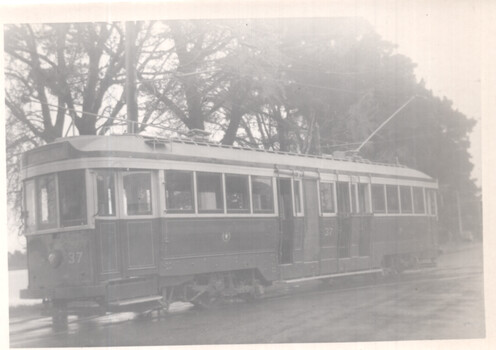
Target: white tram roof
137, 146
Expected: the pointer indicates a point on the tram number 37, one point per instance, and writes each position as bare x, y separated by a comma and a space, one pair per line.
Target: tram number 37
74, 257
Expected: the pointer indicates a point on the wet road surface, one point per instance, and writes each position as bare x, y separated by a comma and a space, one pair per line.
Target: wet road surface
443, 302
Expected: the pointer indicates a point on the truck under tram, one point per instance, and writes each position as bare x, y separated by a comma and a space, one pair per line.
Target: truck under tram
121, 222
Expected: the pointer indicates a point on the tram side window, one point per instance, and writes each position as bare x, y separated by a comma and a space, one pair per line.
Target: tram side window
297, 197
363, 198
393, 203
30, 204
378, 199
431, 202
237, 193
210, 195
354, 203
262, 194
72, 198
406, 199
105, 188
46, 195
137, 193
179, 191
418, 200
327, 198
343, 194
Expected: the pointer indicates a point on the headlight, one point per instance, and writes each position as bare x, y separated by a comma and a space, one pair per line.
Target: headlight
55, 258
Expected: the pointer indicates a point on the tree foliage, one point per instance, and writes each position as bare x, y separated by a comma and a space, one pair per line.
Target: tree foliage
305, 85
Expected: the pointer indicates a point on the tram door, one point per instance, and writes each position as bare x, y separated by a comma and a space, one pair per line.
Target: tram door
344, 226
286, 243
354, 224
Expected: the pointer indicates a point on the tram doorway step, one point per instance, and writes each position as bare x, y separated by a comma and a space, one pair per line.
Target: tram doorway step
342, 274
136, 304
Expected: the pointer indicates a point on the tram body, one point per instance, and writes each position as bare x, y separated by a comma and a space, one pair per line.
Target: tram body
119, 220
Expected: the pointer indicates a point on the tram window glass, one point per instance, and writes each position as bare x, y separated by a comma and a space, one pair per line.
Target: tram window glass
363, 198
418, 200
105, 188
210, 195
406, 199
30, 204
393, 203
354, 207
431, 202
327, 198
137, 193
237, 193
46, 195
343, 194
262, 194
179, 191
297, 197
378, 199
72, 198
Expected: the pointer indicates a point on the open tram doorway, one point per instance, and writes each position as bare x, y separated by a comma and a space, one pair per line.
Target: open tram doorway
286, 217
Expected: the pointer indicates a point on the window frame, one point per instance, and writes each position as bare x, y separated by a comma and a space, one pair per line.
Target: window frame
57, 225
117, 195
411, 211
424, 205
334, 199
222, 195
431, 199
84, 195
300, 213
248, 187
153, 201
274, 210
167, 210
374, 210
398, 199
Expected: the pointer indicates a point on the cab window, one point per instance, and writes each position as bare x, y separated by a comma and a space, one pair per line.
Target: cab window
105, 183
137, 193
46, 202
72, 198
30, 204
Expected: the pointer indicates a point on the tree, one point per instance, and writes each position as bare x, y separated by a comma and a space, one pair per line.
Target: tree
301, 85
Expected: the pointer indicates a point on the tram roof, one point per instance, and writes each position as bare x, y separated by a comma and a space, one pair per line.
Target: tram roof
138, 146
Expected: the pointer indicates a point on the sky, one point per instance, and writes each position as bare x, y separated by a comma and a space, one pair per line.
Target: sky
445, 42
444, 39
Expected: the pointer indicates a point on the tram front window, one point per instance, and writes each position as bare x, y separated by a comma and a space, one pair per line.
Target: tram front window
137, 193
72, 198
106, 193
30, 205
46, 195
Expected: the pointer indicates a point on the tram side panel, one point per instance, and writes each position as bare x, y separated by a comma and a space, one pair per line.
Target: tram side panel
397, 235
191, 246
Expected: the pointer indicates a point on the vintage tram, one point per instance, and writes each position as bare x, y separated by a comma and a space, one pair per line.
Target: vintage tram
115, 222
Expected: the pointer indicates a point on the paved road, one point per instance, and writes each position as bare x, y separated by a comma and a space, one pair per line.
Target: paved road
445, 302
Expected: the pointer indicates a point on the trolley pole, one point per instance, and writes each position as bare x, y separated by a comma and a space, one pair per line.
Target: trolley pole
384, 123
131, 99
459, 210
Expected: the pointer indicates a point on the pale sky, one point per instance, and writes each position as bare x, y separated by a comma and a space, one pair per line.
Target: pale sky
443, 37
444, 40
